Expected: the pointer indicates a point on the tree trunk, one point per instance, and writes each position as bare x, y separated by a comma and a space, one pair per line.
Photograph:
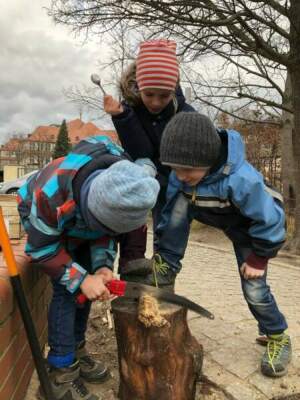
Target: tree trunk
156, 362
294, 71
287, 156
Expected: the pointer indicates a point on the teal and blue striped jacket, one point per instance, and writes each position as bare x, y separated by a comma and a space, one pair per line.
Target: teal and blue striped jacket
49, 206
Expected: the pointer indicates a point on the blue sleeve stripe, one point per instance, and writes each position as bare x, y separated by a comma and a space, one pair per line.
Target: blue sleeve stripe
45, 251
51, 186
98, 139
23, 191
42, 227
74, 161
33, 210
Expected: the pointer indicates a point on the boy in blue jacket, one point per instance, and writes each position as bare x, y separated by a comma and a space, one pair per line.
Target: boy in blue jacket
212, 182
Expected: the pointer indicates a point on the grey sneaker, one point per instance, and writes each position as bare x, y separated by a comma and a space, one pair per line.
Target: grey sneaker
277, 355
90, 370
67, 384
154, 272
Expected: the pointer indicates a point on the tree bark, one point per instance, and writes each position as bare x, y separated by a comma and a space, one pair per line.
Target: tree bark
156, 362
287, 155
294, 71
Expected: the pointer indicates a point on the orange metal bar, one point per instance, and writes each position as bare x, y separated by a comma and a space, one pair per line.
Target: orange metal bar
7, 248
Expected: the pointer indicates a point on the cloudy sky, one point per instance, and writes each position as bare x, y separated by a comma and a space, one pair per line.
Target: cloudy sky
38, 59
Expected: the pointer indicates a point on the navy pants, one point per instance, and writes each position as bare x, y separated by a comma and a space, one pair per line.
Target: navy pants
67, 321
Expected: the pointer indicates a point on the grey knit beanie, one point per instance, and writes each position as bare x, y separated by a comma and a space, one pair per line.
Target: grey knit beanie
121, 196
190, 139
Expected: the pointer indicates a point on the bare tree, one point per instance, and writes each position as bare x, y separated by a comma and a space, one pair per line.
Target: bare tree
122, 48
258, 39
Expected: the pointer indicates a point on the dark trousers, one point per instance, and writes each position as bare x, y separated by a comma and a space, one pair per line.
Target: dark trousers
67, 321
133, 244
67, 324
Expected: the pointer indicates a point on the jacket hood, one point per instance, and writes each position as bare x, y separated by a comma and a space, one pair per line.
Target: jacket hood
235, 154
128, 88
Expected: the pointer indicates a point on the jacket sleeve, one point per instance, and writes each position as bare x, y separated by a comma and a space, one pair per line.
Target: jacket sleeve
45, 239
263, 207
45, 245
103, 252
132, 134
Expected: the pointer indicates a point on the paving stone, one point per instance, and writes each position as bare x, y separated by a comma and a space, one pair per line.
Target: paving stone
216, 373
217, 330
240, 362
240, 391
296, 358
207, 343
234, 316
272, 387
240, 341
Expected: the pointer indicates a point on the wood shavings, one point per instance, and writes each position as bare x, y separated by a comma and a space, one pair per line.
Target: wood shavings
149, 314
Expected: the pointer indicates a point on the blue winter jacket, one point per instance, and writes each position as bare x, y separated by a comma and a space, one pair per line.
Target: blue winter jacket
234, 198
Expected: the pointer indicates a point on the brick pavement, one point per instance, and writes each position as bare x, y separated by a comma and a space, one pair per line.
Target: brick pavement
232, 358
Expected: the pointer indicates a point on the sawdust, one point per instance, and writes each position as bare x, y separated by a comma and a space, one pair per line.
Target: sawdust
149, 314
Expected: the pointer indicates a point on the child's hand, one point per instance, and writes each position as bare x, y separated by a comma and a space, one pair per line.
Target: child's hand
249, 272
93, 287
106, 273
112, 106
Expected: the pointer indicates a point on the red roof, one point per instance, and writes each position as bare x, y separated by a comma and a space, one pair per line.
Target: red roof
77, 130
11, 145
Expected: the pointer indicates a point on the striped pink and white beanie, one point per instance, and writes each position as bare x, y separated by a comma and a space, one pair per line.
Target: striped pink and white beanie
157, 65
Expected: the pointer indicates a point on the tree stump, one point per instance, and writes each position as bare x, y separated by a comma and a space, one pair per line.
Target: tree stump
156, 362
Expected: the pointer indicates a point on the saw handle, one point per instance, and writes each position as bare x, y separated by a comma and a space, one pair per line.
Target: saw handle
115, 287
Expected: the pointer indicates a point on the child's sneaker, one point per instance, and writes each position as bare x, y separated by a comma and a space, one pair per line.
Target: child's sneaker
154, 272
90, 370
67, 384
277, 355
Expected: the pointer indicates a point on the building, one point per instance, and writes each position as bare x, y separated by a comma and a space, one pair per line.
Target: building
33, 151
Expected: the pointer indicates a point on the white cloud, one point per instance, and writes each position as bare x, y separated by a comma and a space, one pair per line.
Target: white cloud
38, 59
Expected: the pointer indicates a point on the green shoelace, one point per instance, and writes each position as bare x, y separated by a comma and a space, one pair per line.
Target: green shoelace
274, 349
159, 267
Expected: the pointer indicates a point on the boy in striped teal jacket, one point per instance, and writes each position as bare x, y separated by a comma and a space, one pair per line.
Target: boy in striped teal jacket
72, 211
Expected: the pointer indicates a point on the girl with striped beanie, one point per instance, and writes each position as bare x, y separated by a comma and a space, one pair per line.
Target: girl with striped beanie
151, 97
157, 65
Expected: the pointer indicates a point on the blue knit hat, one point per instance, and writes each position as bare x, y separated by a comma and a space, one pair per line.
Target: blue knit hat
121, 196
